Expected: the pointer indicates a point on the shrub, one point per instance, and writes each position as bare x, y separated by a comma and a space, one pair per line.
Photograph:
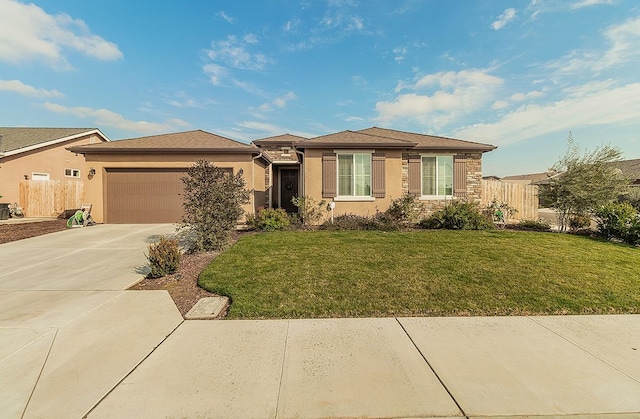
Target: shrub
213, 199
310, 211
579, 222
163, 257
269, 219
380, 221
457, 216
619, 221
406, 210
499, 213
536, 225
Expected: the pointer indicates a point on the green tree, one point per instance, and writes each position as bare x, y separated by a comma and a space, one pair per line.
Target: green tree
213, 199
589, 179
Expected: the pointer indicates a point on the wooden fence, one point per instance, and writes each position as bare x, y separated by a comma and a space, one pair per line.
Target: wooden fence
50, 198
524, 198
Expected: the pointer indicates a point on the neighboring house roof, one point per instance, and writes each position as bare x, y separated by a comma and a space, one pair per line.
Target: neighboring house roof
630, 168
284, 139
15, 140
354, 139
197, 141
430, 142
530, 178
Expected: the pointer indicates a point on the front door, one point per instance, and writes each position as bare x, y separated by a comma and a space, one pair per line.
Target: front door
288, 189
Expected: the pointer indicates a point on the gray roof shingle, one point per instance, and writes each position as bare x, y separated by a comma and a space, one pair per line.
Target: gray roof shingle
180, 142
15, 138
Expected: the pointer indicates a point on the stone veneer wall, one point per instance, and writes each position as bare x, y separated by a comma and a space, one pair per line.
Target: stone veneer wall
474, 181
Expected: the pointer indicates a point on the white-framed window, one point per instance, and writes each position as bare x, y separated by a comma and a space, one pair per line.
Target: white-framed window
39, 176
72, 173
354, 174
437, 176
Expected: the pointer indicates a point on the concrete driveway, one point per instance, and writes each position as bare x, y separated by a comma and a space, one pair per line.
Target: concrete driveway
74, 344
69, 332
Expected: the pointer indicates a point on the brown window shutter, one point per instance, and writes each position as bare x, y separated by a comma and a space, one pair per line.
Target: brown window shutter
329, 173
415, 172
378, 175
460, 177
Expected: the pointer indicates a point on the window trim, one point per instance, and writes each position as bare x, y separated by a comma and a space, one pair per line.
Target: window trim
435, 197
361, 198
72, 171
46, 176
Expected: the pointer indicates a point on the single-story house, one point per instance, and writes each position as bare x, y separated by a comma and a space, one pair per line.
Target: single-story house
41, 154
138, 180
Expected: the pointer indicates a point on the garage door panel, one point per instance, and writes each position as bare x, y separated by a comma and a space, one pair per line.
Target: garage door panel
144, 195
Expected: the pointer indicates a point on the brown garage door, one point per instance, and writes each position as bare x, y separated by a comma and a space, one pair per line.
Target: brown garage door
144, 196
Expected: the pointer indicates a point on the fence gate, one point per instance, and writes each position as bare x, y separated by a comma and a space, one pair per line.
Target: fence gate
50, 198
524, 198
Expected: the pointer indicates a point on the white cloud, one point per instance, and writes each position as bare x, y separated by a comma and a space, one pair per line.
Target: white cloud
107, 118
215, 73
17, 86
279, 102
28, 33
457, 94
521, 97
399, 53
234, 53
507, 16
221, 14
500, 104
624, 46
250, 38
585, 3
588, 105
354, 119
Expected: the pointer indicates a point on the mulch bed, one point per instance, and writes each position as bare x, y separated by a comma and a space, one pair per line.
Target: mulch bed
183, 284
11, 232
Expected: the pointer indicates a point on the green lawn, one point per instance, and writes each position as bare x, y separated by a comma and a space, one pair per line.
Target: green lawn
424, 273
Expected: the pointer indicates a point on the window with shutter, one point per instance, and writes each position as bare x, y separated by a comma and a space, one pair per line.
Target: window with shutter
414, 174
460, 178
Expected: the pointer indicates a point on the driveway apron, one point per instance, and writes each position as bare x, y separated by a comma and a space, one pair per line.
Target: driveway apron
69, 332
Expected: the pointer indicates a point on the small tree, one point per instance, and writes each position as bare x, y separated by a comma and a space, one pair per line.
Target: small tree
588, 180
213, 199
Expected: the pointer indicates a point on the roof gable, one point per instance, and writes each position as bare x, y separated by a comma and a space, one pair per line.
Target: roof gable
286, 139
20, 139
354, 139
424, 141
179, 142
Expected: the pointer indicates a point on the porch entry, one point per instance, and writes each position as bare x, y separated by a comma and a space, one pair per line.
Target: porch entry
288, 189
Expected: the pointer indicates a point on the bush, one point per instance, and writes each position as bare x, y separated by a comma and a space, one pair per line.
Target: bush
310, 211
213, 199
406, 210
619, 221
163, 257
536, 225
380, 221
269, 219
579, 222
457, 216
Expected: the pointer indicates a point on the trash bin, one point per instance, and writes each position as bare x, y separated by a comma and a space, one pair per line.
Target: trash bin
4, 211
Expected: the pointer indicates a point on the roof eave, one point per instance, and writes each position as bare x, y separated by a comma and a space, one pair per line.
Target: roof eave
302, 145
163, 150
56, 141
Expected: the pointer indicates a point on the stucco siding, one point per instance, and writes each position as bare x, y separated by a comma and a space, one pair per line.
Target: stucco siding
51, 160
95, 192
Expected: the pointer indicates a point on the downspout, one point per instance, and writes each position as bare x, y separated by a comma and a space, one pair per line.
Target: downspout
302, 176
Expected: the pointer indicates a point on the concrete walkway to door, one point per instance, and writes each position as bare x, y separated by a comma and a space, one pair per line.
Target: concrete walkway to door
74, 344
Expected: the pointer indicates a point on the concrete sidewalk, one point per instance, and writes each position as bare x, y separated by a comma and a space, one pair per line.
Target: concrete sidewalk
73, 343
507, 367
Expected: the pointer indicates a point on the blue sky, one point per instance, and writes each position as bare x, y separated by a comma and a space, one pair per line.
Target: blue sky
516, 74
